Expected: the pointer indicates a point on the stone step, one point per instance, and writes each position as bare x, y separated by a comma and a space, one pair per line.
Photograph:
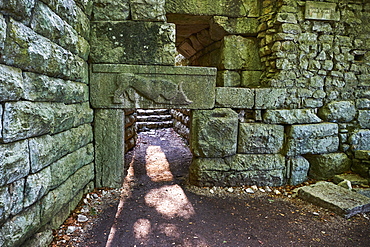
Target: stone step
154, 118
335, 198
153, 112
143, 126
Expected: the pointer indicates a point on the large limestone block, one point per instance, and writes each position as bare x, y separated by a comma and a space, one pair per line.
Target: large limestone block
250, 78
270, 98
37, 185
130, 42
235, 97
360, 140
239, 52
139, 86
109, 147
47, 149
20, 227
256, 138
237, 8
221, 26
312, 139
339, 200
228, 78
14, 162
11, 198
44, 88
340, 111
325, 166
240, 169
298, 168
214, 132
293, 116
148, 10
11, 83
30, 51
19, 9
111, 10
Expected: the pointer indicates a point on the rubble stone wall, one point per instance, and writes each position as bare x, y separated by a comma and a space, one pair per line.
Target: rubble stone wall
46, 150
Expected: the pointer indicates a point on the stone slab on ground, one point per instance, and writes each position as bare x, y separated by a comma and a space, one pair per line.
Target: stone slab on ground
355, 179
339, 200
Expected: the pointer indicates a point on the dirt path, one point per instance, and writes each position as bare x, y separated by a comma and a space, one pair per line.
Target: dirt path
156, 208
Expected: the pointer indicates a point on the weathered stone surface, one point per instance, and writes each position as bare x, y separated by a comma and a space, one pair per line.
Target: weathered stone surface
214, 132
148, 10
11, 83
321, 11
361, 167
30, 51
228, 78
240, 169
360, 140
25, 119
43, 88
124, 42
355, 179
238, 8
47, 23
270, 98
221, 26
20, 227
109, 147
364, 118
298, 170
362, 154
312, 139
40, 239
11, 198
19, 9
51, 203
37, 185
1, 123
333, 197
69, 164
14, 162
325, 166
293, 116
111, 10
2, 31
256, 138
363, 103
135, 86
251, 78
234, 97
239, 52
47, 149
340, 111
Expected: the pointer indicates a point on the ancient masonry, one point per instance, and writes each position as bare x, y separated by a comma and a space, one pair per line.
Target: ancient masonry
279, 90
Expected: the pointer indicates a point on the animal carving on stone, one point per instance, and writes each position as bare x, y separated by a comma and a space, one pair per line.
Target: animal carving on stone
158, 90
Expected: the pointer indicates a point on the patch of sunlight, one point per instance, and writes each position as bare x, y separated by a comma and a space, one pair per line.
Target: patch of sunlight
142, 229
170, 230
170, 201
157, 166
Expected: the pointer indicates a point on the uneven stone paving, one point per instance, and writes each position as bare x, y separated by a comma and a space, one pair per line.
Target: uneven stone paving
155, 207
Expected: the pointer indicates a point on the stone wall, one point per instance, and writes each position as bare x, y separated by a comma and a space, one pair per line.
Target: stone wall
130, 129
46, 151
302, 111
181, 122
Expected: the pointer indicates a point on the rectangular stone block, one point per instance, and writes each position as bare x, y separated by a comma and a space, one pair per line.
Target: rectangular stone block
148, 10
312, 139
321, 11
25, 119
326, 166
47, 149
228, 78
124, 43
363, 104
11, 198
111, 10
214, 132
11, 83
238, 8
37, 185
240, 169
360, 140
270, 98
2, 31
235, 97
32, 52
223, 25
38, 87
364, 118
256, 138
109, 147
293, 116
298, 168
251, 78
14, 161
16, 230
136, 86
